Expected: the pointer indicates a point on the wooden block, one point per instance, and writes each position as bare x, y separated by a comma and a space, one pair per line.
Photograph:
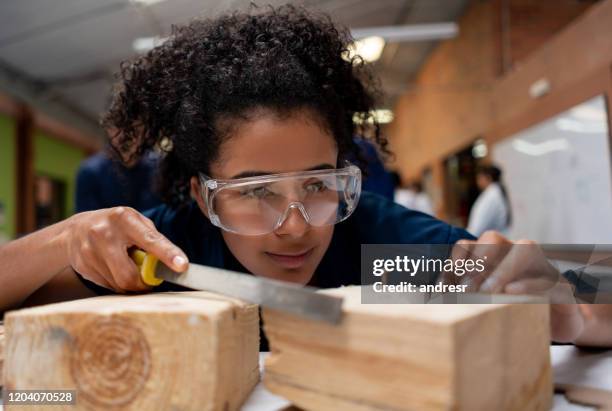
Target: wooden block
413, 357
171, 351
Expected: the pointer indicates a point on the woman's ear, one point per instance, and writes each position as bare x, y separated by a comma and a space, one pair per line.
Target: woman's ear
196, 192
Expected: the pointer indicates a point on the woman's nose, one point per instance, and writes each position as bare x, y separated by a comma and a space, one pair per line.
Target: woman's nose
294, 222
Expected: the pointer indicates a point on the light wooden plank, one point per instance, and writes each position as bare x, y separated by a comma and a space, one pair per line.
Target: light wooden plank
407, 357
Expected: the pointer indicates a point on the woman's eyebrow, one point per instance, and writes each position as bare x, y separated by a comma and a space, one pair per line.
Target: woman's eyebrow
244, 174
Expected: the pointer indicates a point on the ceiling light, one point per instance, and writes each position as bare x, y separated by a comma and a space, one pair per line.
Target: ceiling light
144, 44
411, 32
146, 2
480, 150
382, 116
540, 149
589, 112
369, 48
576, 126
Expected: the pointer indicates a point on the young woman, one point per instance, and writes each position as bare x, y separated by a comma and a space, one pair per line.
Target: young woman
491, 210
256, 115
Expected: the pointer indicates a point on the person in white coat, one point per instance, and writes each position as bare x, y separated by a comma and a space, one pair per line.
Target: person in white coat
491, 210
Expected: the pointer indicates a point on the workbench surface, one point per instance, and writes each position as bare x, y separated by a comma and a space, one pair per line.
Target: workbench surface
592, 368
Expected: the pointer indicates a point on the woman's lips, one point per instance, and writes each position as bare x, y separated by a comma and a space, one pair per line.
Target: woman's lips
290, 260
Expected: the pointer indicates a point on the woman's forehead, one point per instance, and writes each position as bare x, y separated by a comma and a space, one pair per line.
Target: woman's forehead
273, 144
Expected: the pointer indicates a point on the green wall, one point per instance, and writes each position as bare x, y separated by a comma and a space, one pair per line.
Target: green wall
8, 194
58, 160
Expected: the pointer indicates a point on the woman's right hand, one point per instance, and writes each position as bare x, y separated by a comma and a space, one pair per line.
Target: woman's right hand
98, 243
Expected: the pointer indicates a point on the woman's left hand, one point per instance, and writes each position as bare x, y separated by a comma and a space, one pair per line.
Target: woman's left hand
521, 268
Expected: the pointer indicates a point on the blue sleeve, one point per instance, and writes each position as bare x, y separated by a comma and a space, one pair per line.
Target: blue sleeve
87, 196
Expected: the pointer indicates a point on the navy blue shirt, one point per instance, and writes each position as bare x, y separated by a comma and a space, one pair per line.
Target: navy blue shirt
102, 182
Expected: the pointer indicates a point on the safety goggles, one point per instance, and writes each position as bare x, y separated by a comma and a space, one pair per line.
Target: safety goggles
260, 205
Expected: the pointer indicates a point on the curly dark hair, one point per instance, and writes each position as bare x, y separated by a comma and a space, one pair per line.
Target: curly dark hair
279, 59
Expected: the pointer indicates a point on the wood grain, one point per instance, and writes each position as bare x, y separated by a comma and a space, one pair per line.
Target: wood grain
171, 351
407, 357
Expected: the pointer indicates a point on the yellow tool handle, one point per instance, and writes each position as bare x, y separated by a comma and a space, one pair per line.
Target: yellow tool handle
147, 264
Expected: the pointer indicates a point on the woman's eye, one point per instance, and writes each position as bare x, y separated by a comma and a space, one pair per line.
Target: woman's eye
257, 192
316, 187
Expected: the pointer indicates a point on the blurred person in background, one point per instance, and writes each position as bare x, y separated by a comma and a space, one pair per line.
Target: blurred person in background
104, 182
491, 210
412, 196
44, 203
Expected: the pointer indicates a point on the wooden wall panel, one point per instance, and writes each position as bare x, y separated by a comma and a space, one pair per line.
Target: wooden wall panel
462, 93
448, 105
576, 62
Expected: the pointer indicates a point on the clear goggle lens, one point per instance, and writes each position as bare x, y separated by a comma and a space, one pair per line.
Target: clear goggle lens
260, 205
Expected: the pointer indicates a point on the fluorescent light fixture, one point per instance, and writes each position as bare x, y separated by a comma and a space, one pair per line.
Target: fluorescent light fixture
589, 113
369, 48
382, 116
411, 32
577, 126
146, 2
144, 44
540, 149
